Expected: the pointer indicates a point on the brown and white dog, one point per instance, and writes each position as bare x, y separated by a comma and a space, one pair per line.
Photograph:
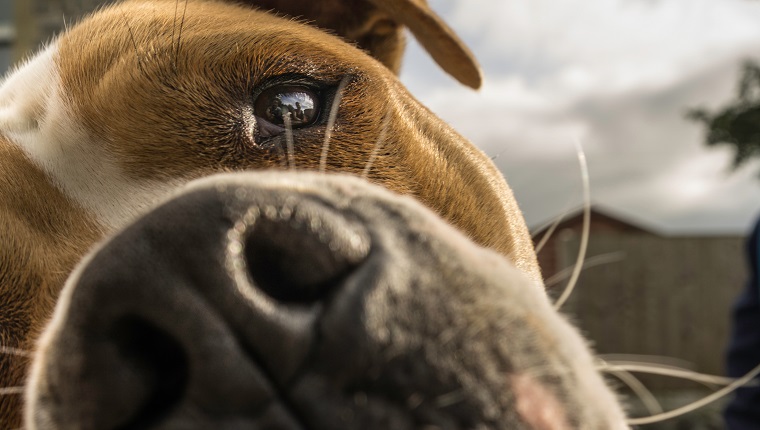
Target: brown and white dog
278, 299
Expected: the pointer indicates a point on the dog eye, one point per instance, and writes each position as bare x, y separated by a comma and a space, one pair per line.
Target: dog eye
273, 105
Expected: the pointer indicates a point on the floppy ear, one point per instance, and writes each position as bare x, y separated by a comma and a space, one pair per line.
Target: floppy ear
376, 27
436, 37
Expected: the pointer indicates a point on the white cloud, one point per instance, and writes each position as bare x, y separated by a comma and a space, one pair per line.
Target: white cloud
616, 74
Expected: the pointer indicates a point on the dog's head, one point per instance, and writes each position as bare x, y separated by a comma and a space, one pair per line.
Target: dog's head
145, 96
141, 97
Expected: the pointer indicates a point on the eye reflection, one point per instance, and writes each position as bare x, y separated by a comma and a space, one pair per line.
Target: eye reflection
300, 104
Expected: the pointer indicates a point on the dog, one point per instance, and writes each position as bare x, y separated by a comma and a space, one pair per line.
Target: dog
373, 271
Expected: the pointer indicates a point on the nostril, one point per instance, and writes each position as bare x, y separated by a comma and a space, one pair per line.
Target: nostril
158, 361
300, 259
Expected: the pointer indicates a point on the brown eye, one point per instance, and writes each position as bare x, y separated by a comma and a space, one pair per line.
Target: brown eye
272, 106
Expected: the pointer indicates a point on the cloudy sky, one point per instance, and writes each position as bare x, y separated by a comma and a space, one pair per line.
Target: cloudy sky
617, 76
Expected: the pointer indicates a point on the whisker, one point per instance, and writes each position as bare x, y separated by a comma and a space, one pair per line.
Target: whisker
14, 351
493, 158
282, 156
179, 35
551, 229
664, 370
289, 141
639, 389
331, 123
658, 360
699, 403
378, 144
134, 44
586, 227
537, 372
174, 21
9, 391
597, 260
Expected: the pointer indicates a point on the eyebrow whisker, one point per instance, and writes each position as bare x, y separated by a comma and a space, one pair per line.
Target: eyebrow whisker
331, 123
10, 391
15, 351
179, 35
289, 141
378, 144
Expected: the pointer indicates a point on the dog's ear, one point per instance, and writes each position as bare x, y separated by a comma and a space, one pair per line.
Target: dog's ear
376, 26
436, 37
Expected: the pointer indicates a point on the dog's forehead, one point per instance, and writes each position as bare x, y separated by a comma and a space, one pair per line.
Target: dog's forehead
215, 33
160, 59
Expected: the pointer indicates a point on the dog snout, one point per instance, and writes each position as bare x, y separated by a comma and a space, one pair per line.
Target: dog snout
295, 300
200, 314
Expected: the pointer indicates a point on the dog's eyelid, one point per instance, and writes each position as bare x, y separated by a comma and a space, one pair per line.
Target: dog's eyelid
295, 79
322, 81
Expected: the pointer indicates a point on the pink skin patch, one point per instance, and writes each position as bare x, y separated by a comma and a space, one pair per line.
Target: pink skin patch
537, 406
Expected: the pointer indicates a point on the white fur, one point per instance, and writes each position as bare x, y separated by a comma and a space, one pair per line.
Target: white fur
36, 116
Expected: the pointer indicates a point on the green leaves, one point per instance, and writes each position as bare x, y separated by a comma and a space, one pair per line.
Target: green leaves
738, 124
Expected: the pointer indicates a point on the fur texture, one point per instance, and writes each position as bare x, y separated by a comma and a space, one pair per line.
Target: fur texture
137, 100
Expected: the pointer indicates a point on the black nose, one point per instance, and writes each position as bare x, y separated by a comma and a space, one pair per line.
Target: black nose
298, 258
201, 313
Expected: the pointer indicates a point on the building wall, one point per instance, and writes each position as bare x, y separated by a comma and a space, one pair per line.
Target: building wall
668, 297
7, 34
37, 21
601, 224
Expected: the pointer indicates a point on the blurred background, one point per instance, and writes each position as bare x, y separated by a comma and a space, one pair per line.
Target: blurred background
652, 90
657, 93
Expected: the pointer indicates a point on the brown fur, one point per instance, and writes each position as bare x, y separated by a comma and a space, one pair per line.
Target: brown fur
43, 235
358, 21
164, 108
376, 26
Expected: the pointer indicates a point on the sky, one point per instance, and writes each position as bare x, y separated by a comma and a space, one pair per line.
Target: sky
617, 76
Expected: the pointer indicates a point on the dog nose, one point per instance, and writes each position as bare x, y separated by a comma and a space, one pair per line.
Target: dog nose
297, 258
202, 313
